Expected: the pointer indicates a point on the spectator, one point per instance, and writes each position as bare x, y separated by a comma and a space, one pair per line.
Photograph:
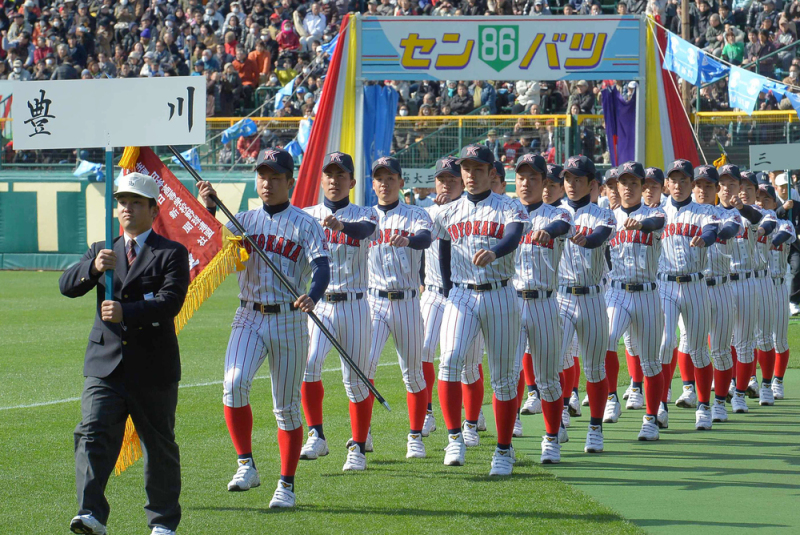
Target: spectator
786, 35
405, 9
768, 13
248, 147
733, 52
583, 98
485, 95
462, 103
493, 143
44, 69
715, 36
635, 7
66, 71
386, 9
473, 8
443, 9
18, 73
510, 148
286, 74
537, 8
701, 23
761, 49
527, 95
262, 59
499, 7
314, 26
552, 101
287, 39
248, 72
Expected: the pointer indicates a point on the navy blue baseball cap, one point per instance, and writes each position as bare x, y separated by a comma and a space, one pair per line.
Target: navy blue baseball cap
447, 165
612, 174
580, 166
476, 153
535, 161
730, 170
681, 166
750, 177
769, 190
278, 160
554, 173
708, 172
501, 170
632, 168
654, 173
762, 178
344, 161
387, 162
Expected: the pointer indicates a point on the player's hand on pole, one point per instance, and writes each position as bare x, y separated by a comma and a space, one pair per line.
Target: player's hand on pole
484, 257
632, 224
304, 303
111, 311
541, 236
579, 240
788, 205
736, 202
697, 241
332, 223
106, 259
398, 241
206, 191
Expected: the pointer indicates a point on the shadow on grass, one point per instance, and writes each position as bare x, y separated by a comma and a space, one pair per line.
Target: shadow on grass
659, 522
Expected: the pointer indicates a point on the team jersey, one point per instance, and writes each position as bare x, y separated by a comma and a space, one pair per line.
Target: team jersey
764, 243
635, 254
471, 227
683, 224
433, 274
396, 268
537, 264
292, 239
719, 253
581, 266
779, 257
743, 252
348, 255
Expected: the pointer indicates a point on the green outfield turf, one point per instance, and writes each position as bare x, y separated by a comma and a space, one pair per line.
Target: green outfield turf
742, 475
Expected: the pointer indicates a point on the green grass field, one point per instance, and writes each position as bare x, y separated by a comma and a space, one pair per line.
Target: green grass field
742, 475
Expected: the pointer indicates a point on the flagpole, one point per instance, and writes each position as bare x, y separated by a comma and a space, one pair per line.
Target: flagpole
109, 217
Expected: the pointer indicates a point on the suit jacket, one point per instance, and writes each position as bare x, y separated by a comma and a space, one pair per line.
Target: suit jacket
151, 292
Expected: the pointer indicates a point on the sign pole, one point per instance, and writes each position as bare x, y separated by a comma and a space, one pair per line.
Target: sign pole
109, 218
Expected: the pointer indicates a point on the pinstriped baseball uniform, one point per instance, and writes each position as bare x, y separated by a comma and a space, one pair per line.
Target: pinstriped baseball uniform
778, 259
585, 314
687, 299
432, 307
537, 270
765, 287
634, 257
495, 313
292, 239
349, 321
396, 269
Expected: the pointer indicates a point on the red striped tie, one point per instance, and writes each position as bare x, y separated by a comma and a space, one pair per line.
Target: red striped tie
131, 251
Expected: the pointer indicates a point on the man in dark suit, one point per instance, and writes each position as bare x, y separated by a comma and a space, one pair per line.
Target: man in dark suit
132, 363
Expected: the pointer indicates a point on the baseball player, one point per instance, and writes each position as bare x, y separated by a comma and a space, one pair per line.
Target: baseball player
344, 310
553, 190
785, 234
610, 201
633, 303
498, 177
269, 323
395, 255
536, 277
689, 229
479, 234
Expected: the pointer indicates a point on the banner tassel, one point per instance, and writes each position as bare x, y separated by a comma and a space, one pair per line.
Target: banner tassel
131, 448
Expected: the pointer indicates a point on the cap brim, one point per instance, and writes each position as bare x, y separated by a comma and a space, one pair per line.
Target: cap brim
529, 164
441, 172
377, 167
678, 171
730, 175
576, 172
131, 192
553, 178
634, 175
340, 166
473, 159
274, 166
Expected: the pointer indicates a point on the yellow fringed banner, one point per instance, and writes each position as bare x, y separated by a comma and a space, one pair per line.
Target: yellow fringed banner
129, 158
131, 448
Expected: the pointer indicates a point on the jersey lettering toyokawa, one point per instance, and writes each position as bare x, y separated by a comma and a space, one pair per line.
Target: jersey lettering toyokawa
719, 253
348, 255
433, 274
581, 266
292, 239
474, 226
537, 263
764, 243
682, 226
396, 268
635, 254
779, 257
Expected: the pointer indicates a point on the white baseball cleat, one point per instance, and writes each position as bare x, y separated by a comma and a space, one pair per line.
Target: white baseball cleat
594, 440
161, 530
469, 433
574, 406
315, 447
87, 524
662, 418
415, 449
532, 405
551, 450
283, 496
765, 395
503, 462
585, 401
613, 410
794, 310
563, 437
367, 445
481, 421
752, 388
565, 419
635, 399
356, 461
245, 478
777, 388
719, 412
739, 403
669, 395
702, 417
430, 424
649, 428
627, 393
455, 450
731, 391
517, 428
687, 399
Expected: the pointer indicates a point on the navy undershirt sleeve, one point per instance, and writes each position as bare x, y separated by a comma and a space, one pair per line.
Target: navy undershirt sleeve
320, 277
709, 234
556, 229
444, 265
751, 214
421, 240
768, 227
780, 238
359, 230
510, 240
728, 231
651, 224
597, 238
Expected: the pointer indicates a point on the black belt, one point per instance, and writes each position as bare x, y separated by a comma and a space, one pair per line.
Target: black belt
483, 287
643, 287
396, 296
534, 294
760, 273
779, 280
685, 278
436, 289
713, 281
269, 309
340, 297
740, 276
581, 290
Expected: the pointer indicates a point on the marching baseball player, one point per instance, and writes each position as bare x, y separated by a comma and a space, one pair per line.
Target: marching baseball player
269, 323
553, 190
784, 235
633, 302
479, 234
499, 178
344, 310
689, 229
395, 255
610, 201
536, 280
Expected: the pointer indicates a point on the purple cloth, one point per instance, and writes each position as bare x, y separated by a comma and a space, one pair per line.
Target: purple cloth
620, 117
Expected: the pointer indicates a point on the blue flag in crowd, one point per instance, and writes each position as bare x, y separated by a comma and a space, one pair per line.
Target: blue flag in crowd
192, 157
743, 89
245, 127
620, 117
285, 91
94, 170
304, 133
380, 104
330, 47
294, 148
691, 63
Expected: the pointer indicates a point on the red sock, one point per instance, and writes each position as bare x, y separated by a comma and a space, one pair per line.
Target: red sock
781, 363
240, 427
722, 382
612, 370
551, 411
766, 359
753, 365
450, 401
480, 372
521, 389
576, 374
703, 378
568, 381
429, 373
666, 373
598, 395
417, 408
653, 393
634, 367
290, 443
311, 395
360, 419
687, 367
473, 399
505, 415
527, 367
742, 375
673, 364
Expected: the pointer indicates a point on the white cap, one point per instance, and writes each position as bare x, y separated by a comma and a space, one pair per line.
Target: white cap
138, 184
781, 180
